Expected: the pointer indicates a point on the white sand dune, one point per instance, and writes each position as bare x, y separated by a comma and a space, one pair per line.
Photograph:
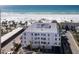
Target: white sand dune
38, 16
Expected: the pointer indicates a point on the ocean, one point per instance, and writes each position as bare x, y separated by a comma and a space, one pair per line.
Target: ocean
40, 8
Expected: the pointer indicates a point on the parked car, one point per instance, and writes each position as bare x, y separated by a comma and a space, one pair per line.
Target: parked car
9, 52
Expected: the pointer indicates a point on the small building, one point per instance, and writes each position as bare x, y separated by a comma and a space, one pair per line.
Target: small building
77, 29
41, 35
71, 26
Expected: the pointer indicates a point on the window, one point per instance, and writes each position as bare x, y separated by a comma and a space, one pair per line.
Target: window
38, 34
38, 42
38, 38
21, 37
21, 41
48, 38
35, 34
48, 42
44, 42
55, 35
59, 43
24, 37
43, 38
24, 41
43, 47
32, 34
24, 33
49, 26
42, 25
48, 34
42, 34
55, 38
59, 38
55, 43
41, 42
35, 38
35, 42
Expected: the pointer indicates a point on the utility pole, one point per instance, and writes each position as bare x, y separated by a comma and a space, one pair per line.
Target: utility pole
0, 31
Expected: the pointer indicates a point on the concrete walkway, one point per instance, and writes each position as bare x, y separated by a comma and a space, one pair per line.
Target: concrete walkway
73, 44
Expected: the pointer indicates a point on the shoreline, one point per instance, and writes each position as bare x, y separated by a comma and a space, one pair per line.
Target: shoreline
59, 13
38, 16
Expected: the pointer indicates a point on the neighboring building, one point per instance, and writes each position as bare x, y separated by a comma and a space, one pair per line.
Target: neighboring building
77, 29
70, 25
41, 35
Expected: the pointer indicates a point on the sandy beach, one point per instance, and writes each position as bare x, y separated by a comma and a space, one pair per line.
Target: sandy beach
38, 16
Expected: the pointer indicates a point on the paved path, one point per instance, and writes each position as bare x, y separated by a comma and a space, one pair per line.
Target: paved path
72, 42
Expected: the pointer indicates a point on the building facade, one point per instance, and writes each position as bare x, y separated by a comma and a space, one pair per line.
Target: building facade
41, 35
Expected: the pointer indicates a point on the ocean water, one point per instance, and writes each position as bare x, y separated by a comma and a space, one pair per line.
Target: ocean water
36, 12
40, 8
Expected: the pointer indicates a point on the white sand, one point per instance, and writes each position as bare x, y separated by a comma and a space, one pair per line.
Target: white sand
38, 16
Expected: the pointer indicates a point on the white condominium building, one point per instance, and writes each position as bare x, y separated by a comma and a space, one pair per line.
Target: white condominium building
41, 35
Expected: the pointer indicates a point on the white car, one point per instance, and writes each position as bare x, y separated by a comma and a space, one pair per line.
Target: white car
9, 52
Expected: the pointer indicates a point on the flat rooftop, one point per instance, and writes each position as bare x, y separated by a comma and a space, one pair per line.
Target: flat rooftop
46, 27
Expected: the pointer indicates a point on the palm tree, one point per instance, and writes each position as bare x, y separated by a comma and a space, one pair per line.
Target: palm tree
26, 23
40, 21
2, 32
54, 21
20, 23
30, 45
71, 21
43, 19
